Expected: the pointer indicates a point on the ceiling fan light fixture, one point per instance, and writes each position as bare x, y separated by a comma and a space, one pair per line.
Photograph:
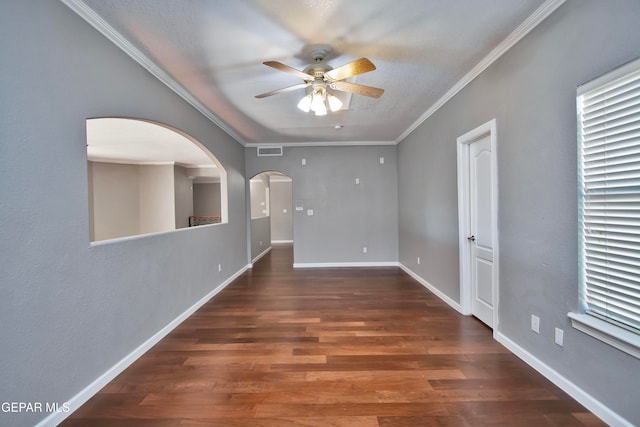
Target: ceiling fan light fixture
334, 103
305, 103
321, 109
318, 97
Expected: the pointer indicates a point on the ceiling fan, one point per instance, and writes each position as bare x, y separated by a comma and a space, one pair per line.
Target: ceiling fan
320, 76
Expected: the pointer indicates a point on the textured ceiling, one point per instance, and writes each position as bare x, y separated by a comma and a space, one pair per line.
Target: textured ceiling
214, 50
138, 141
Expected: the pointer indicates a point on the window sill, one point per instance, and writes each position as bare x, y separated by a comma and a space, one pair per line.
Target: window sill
619, 338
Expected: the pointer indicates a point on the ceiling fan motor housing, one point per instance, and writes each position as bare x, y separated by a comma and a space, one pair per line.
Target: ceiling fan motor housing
317, 70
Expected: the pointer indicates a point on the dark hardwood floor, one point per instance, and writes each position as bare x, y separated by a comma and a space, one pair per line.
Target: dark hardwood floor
329, 347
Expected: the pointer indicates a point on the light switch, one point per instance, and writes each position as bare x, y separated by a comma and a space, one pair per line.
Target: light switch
357, 180
310, 212
304, 162
559, 339
382, 160
284, 211
535, 323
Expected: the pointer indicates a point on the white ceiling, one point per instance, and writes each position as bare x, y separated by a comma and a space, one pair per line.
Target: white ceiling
121, 140
211, 52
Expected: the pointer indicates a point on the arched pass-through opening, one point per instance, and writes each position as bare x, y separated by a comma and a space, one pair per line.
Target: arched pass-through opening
147, 177
271, 208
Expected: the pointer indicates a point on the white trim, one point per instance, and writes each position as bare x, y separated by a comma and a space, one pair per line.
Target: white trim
615, 336
130, 162
463, 142
529, 24
279, 242
263, 253
86, 13
116, 240
321, 143
343, 264
591, 403
463, 227
609, 77
89, 391
433, 289
280, 178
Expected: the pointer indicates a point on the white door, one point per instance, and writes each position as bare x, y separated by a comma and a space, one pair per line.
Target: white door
481, 237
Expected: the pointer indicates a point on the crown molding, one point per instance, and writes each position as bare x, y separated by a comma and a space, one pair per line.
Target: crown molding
518, 34
319, 144
120, 161
91, 17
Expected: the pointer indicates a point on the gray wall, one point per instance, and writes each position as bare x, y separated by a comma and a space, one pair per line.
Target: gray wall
76, 309
260, 227
531, 92
281, 221
183, 188
114, 195
347, 216
157, 198
258, 191
206, 198
260, 236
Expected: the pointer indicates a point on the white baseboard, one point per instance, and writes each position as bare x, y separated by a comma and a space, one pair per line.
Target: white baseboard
343, 264
594, 405
456, 306
89, 391
277, 242
588, 401
263, 253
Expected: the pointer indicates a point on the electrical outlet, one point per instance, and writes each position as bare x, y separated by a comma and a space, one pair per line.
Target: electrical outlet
219, 268
418, 260
382, 160
364, 249
535, 323
559, 337
357, 180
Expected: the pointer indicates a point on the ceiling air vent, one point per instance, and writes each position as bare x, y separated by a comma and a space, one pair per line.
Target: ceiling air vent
269, 151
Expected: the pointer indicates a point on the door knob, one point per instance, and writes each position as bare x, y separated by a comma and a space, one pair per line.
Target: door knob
472, 238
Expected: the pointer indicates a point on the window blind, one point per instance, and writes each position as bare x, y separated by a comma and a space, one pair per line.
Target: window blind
609, 188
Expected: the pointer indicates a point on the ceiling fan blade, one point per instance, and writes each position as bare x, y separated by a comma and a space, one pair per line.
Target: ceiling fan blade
280, 66
359, 66
285, 89
373, 92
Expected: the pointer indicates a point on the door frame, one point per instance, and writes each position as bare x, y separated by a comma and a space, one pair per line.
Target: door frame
464, 212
